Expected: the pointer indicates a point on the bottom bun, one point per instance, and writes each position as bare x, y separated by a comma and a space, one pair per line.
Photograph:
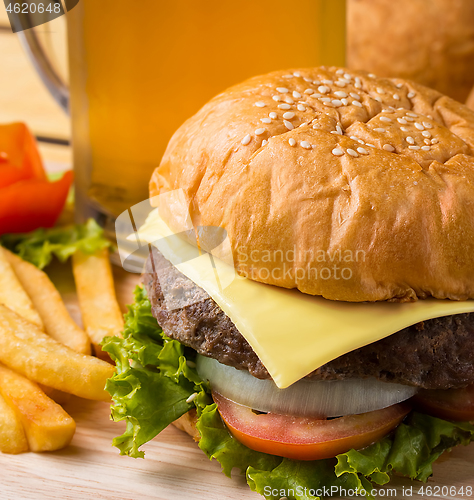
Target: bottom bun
187, 423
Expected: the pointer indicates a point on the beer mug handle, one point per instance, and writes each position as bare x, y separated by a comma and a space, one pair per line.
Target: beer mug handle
45, 69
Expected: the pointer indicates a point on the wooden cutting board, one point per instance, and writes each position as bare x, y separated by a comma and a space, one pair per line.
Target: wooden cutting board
174, 467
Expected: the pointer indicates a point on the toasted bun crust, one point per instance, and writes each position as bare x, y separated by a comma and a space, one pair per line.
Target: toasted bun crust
431, 42
377, 182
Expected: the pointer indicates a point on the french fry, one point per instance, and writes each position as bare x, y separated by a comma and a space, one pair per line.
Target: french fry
12, 434
56, 395
34, 354
58, 324
47, 426
12, 293
100, 311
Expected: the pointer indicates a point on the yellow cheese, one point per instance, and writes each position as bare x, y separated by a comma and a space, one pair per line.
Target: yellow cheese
292, 333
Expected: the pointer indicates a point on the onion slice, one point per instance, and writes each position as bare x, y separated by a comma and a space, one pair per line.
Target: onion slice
305, 398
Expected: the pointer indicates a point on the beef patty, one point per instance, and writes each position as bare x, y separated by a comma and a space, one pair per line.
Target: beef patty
434, 354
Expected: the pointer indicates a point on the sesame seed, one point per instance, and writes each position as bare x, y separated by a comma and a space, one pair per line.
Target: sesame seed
409, 119
288, 125
323, 89
399, 85
357, 103
414, 147
328, 104
355, 96
284, 106
315, 95
337, 152
357, 85
388, 147
361, 141
430, 117
306, 79
434, 141
415, 183
340, 93
300, 107
419, 126
282, 90
190, 363
385, 119
354, 138
288, 115
316, 82
353, 153
427, 125
192, 397
340, 84
260, 131
380, 90
425, 133
370, 145
333, 132
339, 129
378, 99
264, 142
427, 142
362, 151
292, 142
345, 102
309, 91
273, 115
344, 80
404, 129
411, 95
414, 115
340, 71
276, 98
380, 130
425, 148
327, 82
260, 104
402, 121
265, 120
305, 144
296, 95
325, 99
396, 97
289, 100
337, 102
246, 139
317, 125
297, 74
347, 76
371, 75
287, 76
410, 140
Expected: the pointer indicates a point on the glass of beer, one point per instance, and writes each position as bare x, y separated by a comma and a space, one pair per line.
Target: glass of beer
138, 70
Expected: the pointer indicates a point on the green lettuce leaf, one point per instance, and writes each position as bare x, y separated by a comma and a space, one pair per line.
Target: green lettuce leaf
39, 247
153, 380
152, 387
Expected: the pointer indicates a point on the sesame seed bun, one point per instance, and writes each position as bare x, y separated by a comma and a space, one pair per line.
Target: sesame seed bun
371, 175
431, 42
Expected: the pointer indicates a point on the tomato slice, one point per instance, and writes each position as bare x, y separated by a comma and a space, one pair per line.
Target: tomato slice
304, 438
450, 404
27, 205
19, 156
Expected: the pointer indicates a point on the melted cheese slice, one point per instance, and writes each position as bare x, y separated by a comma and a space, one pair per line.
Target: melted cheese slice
292, 333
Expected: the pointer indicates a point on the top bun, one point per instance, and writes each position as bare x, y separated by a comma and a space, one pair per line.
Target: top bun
431, 42
335, 182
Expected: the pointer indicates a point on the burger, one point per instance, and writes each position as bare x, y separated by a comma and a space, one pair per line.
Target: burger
341, 350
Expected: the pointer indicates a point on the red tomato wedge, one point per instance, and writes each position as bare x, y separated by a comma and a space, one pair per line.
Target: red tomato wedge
450, 404
27, 205
19, 156
303, 438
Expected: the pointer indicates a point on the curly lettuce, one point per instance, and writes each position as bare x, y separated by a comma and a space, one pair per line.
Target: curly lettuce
39, 246
156, 383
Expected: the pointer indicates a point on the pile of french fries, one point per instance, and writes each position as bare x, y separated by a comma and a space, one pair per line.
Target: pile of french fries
45, 355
